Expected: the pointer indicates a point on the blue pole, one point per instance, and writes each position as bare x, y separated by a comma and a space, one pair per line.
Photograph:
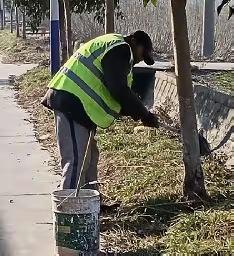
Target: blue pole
54, 37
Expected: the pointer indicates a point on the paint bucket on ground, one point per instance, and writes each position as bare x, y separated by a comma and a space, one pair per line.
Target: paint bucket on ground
76, 222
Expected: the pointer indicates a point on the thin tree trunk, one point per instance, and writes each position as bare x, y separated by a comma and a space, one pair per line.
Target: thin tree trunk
208, 28
68, 26
63, 38
194, 179
109, 17
1, 20
17, 21
11, 13
2, 15
24, 23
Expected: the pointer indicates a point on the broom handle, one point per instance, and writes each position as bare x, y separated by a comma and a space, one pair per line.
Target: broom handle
168, 127
83, 164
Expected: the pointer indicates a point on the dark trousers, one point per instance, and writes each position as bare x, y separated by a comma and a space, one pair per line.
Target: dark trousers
72, 141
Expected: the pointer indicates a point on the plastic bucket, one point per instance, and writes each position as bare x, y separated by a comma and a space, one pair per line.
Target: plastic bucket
76, 222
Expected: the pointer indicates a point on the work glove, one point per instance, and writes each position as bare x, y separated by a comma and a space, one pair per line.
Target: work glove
151, 120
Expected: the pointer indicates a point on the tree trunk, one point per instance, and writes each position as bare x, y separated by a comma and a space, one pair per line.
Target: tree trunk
110, 17
11, 14
194, 179
1, 20
68, 27
2, 15
208, 28
23, 23
63, 38
17, 21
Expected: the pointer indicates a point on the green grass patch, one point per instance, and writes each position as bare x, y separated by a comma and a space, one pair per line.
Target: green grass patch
225, 80
139, 163
203, 232
144, 171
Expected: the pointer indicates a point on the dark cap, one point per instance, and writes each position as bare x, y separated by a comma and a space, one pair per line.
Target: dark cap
144, 40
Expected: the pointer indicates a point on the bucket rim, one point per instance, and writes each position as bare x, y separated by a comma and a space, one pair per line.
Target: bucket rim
58, 193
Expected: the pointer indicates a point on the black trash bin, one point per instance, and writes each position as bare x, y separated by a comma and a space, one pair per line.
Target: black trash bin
143, 84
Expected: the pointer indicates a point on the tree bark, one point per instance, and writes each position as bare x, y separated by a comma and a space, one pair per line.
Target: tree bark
11, 16
110, 17
194, 179
1, 15
68, 27
4, 14
63, 38
17, 21
23, 23
1, 20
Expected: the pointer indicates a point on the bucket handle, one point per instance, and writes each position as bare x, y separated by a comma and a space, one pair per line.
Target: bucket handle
65, 199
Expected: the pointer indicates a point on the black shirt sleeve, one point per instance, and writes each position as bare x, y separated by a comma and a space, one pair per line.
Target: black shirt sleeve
116, 66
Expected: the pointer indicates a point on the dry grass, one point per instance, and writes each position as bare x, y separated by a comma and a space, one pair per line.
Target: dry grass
136, 161
17, 50
143, 170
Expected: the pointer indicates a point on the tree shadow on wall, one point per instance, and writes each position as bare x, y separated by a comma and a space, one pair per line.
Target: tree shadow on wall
212, 107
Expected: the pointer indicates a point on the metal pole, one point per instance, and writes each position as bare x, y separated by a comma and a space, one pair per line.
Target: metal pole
208, 28
54, 37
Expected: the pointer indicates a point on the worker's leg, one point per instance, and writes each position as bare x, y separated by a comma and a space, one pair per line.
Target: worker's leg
72, 142
91, 173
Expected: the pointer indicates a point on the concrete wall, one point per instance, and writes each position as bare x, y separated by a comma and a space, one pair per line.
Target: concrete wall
215, 110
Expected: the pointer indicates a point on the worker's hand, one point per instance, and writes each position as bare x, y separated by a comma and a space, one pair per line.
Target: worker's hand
151, 120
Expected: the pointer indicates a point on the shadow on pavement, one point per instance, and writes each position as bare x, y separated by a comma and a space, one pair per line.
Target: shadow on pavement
4, 249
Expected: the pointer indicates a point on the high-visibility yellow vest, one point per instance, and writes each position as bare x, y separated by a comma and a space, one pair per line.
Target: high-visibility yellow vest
82, 75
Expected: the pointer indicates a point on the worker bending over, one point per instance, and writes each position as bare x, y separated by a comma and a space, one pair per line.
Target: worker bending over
91, 90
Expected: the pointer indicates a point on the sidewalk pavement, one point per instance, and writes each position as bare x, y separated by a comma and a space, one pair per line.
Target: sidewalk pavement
25, 180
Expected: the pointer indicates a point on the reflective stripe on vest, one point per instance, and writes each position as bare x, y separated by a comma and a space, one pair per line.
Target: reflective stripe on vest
88, 91
82, 76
